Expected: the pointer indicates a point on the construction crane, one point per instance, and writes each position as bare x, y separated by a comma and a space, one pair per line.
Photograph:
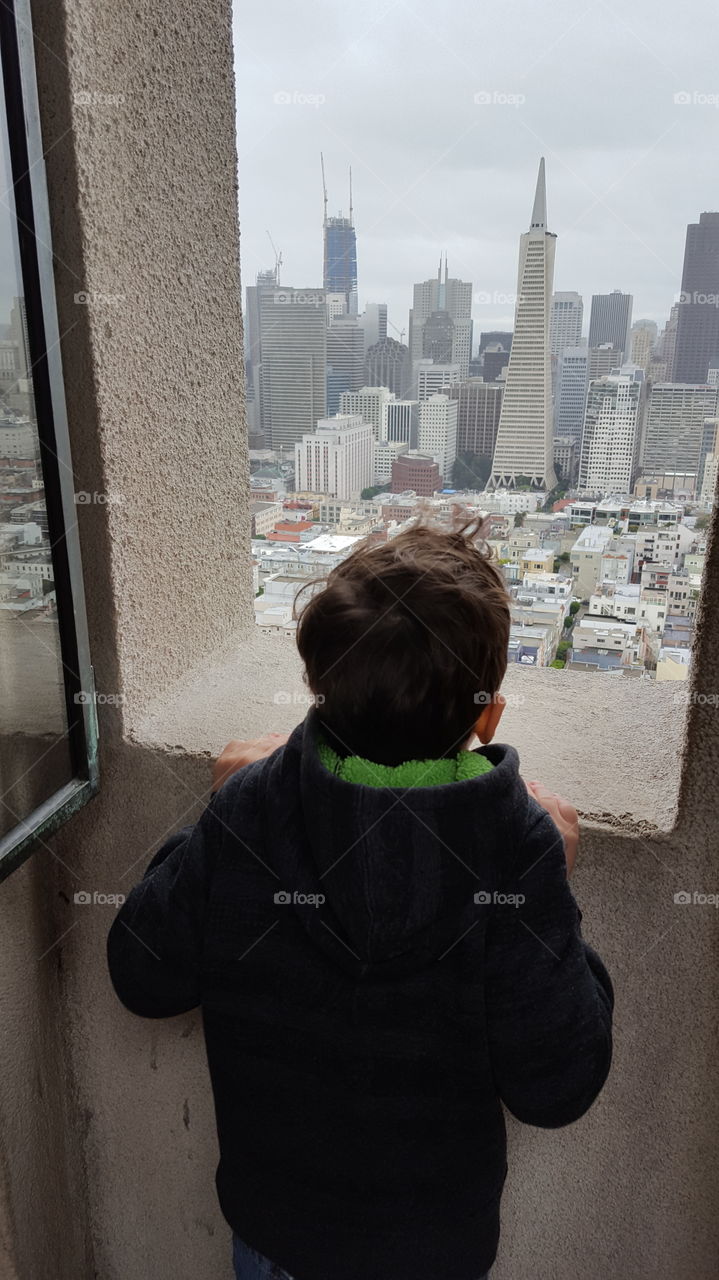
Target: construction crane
401, 332
278, 258
324, 188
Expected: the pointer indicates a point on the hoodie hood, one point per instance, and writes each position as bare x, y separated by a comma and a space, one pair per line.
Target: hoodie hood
382, 878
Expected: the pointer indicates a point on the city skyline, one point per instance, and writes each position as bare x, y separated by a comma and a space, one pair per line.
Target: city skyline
434, 170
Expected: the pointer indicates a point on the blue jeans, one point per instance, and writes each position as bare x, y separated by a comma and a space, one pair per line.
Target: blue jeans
252, 1266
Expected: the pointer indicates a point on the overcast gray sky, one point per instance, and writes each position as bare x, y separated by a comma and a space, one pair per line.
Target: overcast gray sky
391, 86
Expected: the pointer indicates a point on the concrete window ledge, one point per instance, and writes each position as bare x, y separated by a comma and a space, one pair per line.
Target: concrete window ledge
611, 745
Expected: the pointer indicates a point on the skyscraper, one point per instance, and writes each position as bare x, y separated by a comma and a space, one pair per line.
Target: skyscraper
643, 337
440, 301
524, 437
438, 432
369, 403
697, 340
293, 341
374, 323
610, 320
565, 323
345, 359
387, 365
478, 408
611, 434
674, 427
571, 394
340, 252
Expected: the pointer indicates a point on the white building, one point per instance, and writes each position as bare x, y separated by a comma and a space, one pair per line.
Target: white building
370, 403
524, 436
336, 458
18, 440
431, 379
675, 423
610, 436
565, 323
438, 431
385, 453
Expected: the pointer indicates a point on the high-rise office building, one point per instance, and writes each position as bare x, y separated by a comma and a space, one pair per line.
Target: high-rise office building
565, 322
643, 338
387, 364
571, 395
611, 433
253, 347
431, 379
610, 320
400, 421
293, 382
665, 354
374, 324
340, 252
479, 405
603, 360
345, 359
524, 437
370, 403
433, 300
697, 340
336, 459
438, 432
674, 428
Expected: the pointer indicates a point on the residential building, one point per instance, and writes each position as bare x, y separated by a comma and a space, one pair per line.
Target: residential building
264, 516
524, 435
610, 437
675, 418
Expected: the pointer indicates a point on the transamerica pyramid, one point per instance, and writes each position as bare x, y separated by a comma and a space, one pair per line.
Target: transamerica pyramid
524, 436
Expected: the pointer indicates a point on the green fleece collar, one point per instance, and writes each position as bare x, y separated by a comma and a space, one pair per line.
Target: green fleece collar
413, 773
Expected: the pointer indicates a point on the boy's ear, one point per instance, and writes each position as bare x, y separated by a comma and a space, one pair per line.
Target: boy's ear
486, 724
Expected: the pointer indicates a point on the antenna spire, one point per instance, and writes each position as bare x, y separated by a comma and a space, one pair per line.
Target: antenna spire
539, 210
324, 188
351, 222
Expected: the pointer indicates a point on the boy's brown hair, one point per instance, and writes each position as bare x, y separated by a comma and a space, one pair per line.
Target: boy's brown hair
407, 642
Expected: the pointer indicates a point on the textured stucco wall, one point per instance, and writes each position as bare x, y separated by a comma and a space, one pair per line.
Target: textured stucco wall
107, 1145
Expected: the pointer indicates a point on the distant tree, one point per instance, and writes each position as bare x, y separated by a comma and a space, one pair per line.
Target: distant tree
568, 622
558, 664
574, 607
702, 521
563, 648
371, 492
519, 519
563, 557
260, 537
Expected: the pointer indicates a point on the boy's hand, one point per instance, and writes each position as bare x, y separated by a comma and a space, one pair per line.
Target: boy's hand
239, 753
565, 817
